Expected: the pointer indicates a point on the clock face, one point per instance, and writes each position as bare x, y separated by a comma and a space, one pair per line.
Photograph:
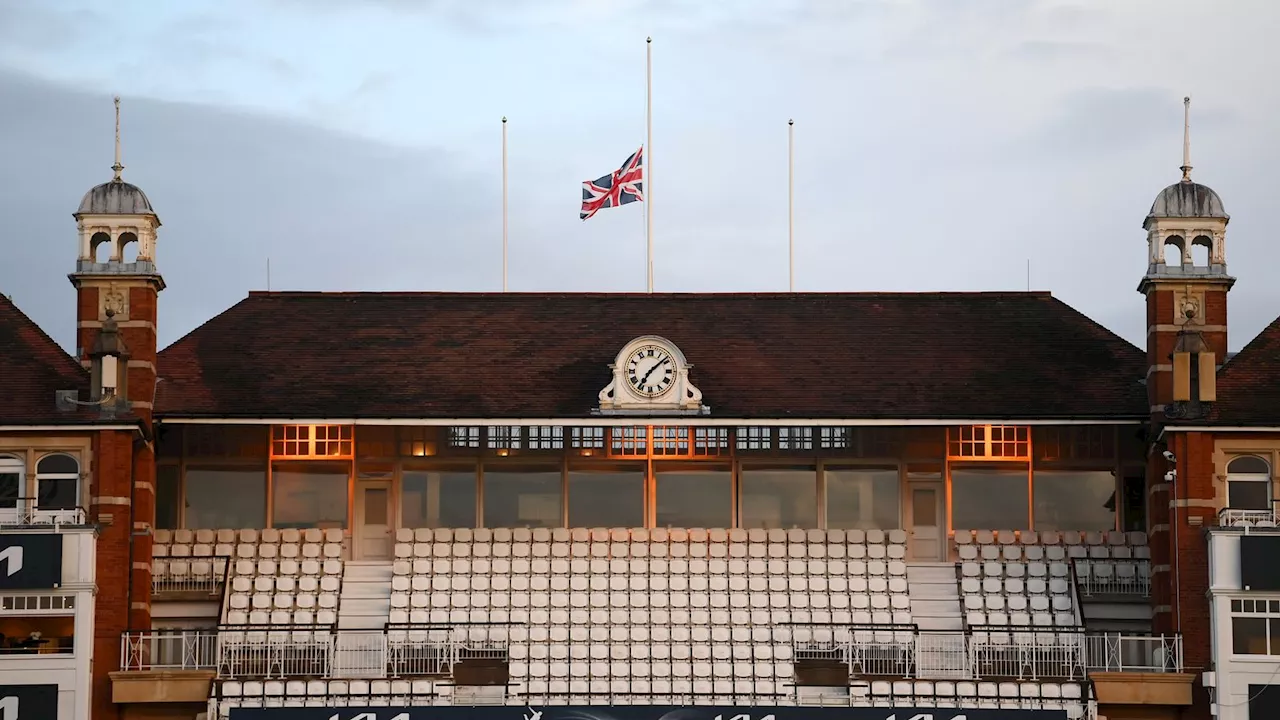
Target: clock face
651, 370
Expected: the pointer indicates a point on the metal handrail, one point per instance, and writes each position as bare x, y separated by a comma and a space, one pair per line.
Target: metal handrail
1119, 652
1243, 518
169, 650
26, 511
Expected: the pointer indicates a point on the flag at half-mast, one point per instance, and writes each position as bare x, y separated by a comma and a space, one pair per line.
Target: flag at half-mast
622, 186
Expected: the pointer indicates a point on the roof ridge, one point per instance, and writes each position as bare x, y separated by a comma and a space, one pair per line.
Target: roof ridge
606, 293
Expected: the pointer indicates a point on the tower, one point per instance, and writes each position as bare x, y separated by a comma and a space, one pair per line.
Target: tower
116, 279
1186, 343
1186, 295
117, 285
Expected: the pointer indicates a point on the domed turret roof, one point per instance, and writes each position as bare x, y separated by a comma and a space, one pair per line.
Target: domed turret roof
115, 198
1187, 199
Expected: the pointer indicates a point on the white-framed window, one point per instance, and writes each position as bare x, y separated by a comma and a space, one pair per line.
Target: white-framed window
12, 473
1249, 483
58, 482
1255, 627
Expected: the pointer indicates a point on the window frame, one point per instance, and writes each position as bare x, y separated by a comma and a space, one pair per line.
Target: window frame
1265, 478
77, 476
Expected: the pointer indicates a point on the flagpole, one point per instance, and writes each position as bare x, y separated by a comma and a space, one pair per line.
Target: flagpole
648, 149
791, 205
504, 203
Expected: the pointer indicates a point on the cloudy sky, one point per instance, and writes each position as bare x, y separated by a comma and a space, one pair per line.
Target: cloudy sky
940, 144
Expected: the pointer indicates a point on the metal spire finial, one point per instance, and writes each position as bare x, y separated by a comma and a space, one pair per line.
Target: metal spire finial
1186, 139
117, 168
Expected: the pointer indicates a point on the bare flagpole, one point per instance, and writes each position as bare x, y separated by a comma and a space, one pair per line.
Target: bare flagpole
791, 206
504, 203
648, 150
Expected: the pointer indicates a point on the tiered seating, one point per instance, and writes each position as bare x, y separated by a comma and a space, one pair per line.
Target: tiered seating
285, 577
1069, 696
185, 560
668, 612
1104, 562
324, 693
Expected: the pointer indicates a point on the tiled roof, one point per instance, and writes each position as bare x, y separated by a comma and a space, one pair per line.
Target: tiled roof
539, 355
1249, 385
32, 369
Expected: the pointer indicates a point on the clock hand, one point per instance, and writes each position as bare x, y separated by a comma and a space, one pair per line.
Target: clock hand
656, 365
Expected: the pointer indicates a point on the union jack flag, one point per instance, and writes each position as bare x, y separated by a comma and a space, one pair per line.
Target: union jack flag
622, 186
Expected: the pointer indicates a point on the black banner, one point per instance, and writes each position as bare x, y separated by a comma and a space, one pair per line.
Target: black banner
641, 712
30, 562
28, 702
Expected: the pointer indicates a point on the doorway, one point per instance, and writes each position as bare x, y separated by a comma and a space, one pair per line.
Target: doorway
928, 527
373, 520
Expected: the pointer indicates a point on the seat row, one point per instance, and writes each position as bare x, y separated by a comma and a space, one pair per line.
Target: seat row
638, 567
605, 550
658, 535
1049, 537
270, 536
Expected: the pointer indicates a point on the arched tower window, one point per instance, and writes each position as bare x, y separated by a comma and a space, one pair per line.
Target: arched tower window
12, 470
1201, 251
100, 247
1249, 483
57, 482
128, 244
1173, 248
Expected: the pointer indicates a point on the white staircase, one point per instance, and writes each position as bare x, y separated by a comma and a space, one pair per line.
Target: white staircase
363, 609
365, 602
935, 608
935, 596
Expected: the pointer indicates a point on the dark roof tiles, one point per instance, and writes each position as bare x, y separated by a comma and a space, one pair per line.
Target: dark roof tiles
535, 355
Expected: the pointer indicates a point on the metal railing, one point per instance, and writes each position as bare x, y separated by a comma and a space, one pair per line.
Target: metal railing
1236, 517
1130, 578
189, 575
275, 651
1116, 652
169, 650
1025, 653
27, 512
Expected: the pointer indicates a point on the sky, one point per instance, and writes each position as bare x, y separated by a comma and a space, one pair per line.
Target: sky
939, 144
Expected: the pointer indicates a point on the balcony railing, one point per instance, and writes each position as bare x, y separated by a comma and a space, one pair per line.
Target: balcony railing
1236, 517
1114, 652
25, 512
205, 575
169, 650
1113, 577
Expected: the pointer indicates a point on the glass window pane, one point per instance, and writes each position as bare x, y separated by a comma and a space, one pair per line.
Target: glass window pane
1074, 500
375, 506
57, 464
226, 497
1249, 494
1249, 636
1249, 464
10, 481
438, 498
779, 497
990, 498
606, 498
308, 495
515, 497
694, 498
924, 508
167, 489
862, 497
59, 493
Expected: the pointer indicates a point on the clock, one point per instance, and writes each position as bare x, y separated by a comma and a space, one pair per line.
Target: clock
650, 370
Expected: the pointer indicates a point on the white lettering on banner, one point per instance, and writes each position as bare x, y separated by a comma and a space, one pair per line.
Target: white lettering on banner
745, 716
9, 705
361, 716
14, 556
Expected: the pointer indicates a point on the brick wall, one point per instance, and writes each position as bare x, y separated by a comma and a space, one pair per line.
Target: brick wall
110, 490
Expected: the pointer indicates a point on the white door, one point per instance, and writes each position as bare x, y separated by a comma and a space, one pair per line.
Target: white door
928, 528
373, 520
